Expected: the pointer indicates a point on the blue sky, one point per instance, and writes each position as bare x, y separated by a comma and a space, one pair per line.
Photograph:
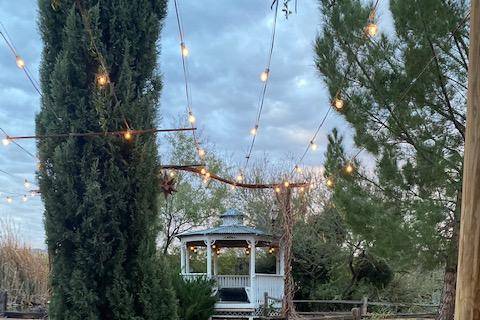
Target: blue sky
228, 43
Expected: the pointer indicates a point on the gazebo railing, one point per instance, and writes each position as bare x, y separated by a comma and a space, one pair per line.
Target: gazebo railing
232, 281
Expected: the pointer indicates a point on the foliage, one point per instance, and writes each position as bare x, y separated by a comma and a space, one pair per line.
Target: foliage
195, 298
409, 207
99, 192
23, 270
195, 203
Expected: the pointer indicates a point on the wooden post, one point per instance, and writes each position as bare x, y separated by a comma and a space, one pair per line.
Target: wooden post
265, 304
364, 309
3, 301
468, 278
356, 314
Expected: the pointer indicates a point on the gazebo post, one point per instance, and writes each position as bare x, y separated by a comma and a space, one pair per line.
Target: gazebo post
182, 258
187, 259
215, 266
252, 268
209, 258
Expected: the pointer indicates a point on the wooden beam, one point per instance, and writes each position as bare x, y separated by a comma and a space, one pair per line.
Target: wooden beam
198, 170
468, 279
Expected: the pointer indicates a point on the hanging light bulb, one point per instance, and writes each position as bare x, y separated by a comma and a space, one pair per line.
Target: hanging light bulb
239, 177
298, 169
102, 79
371, 29
232, 187
277, 189
20, 62
128, 135
33, 194
349, 168
286, 184
338, 103
203, 171
6, 141
207, 175
27, 184
24, 198
9, 199
313, 145
264, 75
191, 118
201, 152
254, 130
330, 183
171, 174
302, 189
184, 48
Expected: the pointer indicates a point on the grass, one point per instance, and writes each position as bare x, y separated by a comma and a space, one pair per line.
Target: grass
23, 270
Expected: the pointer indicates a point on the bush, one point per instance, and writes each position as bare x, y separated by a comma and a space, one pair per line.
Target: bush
195, 298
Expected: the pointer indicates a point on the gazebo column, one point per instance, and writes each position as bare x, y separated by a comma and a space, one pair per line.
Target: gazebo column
282, 261
215, 264
252, 270
208, 242
187, 258
182, 258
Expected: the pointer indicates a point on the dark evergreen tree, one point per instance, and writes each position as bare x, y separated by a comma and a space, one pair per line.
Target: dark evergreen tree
100, 192
416, 132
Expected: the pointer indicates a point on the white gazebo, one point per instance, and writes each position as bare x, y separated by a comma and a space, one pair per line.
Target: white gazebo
236, 293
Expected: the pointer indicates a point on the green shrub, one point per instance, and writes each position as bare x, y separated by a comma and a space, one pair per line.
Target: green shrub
195, 298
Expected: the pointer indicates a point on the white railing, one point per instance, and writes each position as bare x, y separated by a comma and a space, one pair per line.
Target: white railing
232, 281
193, 276
270, 283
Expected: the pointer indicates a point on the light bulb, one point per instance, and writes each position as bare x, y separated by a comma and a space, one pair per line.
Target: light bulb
338, 103
286, 184
6, 141
191, 118
102, 79
207, 175
24, 198
298, 169
203, 171
349, 168
371, 29
330, 182
184, 48
9, 199
27, 184
128, 135
313, 145
20, 62
264, 75
201, 152
277, 189
302, 189
171, 174
239, 177
253, 131
33, 194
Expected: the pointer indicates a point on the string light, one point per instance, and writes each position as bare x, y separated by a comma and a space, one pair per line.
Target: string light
6, 141
239, 177
207, 175
184, 49
264, 75
233, 187
286, 184
171, 174
203, 171
254, 130
371, 29
102, 79
201, 152
298, 169
302, 189
27, 184
338, 103
9, 199
191, 118
128, 135
349, 168
20, 62
330, 182
313, 145
24, 198
277, 189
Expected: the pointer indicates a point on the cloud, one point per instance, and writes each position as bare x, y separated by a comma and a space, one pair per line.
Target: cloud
228, 43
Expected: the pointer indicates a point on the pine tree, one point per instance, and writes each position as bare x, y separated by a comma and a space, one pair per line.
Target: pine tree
415, 132
100, 192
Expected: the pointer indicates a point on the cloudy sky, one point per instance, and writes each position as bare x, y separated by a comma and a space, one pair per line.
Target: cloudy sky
228, 42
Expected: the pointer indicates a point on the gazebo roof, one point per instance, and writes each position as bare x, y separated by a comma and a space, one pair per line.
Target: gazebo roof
232, 223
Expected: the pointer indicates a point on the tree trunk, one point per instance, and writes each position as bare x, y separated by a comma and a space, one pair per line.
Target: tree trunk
446, 310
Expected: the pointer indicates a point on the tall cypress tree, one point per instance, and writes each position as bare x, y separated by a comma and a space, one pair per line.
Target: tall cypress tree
100, 192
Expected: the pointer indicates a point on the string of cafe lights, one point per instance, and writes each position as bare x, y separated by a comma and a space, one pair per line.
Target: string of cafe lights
264, 77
